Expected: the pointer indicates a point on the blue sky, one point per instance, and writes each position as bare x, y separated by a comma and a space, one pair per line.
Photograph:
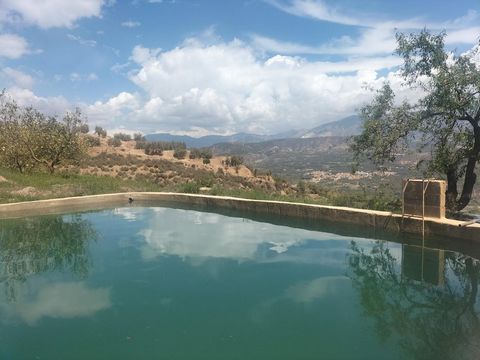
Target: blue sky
212, 66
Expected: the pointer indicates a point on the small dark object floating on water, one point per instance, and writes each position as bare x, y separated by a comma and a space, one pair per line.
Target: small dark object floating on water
130, 200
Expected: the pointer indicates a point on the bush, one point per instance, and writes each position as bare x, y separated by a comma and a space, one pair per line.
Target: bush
115, 142
139, 137
190, 188
122, 137
180, 154
196, 153
206, 161
100, 131
91, 140
157, 147
234, 161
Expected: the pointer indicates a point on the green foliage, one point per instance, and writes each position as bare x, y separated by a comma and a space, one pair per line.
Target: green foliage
29, 138
115, 142
204, 153
138, 137
180, 153
446, 120
158, 147
122, 136
234, 161
190, 188
91, 141
100, 131
83, 128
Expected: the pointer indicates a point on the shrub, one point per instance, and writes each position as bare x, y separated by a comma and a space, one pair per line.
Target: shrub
100, 131
91, 140
190, 187
234, 161
138, 137
180, 154
115, 142
122, 137
204, 153
157, 147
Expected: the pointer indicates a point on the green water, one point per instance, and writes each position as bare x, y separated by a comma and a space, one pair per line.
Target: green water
164, 283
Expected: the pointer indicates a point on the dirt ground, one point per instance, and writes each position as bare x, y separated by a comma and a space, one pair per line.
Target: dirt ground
128, 148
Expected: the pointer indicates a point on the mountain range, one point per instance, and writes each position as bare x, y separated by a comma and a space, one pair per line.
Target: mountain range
344, 127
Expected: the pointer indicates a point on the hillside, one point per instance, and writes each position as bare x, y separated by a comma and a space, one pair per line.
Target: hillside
348, 126
344, 127
293, 158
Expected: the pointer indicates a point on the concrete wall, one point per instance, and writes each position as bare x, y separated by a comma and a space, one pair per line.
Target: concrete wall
434, 202
381, 220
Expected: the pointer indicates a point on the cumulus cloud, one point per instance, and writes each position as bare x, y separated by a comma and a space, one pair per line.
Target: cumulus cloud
54, 105
50, 13
228, 87
225, 87
115, 111
13, 46
16, 78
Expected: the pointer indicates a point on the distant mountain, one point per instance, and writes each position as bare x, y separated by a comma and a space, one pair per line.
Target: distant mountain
209, 140
344, 127
348, 126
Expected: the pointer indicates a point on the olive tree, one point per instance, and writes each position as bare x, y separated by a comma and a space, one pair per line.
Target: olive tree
29, 137
12, 154
445, 120
50, 141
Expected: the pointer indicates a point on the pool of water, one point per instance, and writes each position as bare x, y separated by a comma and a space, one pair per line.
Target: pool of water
169, 283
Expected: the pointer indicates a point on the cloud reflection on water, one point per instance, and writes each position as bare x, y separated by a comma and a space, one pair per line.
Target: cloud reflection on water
193, 234
63, 300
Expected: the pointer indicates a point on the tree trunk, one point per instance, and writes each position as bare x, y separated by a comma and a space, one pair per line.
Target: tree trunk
452, 190
470, 176
469, 183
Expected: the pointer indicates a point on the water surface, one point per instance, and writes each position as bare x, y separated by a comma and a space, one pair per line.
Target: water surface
165, 283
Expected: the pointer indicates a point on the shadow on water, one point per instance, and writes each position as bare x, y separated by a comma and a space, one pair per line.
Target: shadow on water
43, 244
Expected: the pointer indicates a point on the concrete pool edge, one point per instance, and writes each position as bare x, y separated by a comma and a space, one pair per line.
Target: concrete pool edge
367, 218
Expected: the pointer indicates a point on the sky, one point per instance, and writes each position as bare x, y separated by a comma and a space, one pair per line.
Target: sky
202, 67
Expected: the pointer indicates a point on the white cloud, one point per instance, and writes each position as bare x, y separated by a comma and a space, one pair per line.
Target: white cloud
320, 10
55, 105
469, 35
82, 41
114, 112
228, 87
372, 41
50, 13
131, 24
17, 78
75, 77
13, 46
